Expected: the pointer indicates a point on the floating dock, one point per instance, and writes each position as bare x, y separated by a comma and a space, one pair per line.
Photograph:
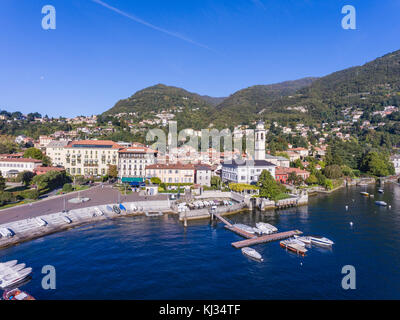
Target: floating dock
265, 239
252, 239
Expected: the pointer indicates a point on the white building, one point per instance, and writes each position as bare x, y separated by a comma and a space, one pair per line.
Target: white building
133, 161
55, 151
240, 171
396, 162
12, 166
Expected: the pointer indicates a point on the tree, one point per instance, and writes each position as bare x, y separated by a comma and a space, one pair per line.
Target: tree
2, 182
312, 179
269, 188
155, 180
333, 171
25, 177
216, 182
112, 171
377, 164
33, 153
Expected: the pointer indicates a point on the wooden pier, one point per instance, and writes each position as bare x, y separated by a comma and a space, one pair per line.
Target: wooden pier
265, 239
252, 239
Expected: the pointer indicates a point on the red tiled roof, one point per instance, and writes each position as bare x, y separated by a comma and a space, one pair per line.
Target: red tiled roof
177, 165
21, 160
282, 170
47, 169
113, 144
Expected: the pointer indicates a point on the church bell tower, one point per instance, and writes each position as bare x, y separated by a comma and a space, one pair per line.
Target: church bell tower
259, 146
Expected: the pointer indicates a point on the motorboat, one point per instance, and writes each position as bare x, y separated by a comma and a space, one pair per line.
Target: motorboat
381, 203
363, 193
116, 209
299, 242
109, 208
14, 278
98, 211
322, 241
304, 239
8, 264
6, 232
293, 246
40, 222
252, 253
258, 231
17, 294
244, 227
67, 220
121, 206
380, 191
266, 227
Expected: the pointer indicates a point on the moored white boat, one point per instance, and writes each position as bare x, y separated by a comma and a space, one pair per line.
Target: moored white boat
252, 253
17, 294
293, 246
366, 194
66, 219
244, 227
266, 227
6, 232
381, 203
380, 191
304, 239
322, 241
40, 222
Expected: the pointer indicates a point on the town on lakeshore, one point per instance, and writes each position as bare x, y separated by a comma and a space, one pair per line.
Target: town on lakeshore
199, 150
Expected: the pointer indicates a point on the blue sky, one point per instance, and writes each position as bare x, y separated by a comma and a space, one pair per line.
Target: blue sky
98, 55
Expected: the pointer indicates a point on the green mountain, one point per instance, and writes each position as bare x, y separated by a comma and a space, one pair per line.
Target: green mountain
310, 100
191, 110
247, 104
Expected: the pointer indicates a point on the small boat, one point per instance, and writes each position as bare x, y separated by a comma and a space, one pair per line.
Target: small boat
322, 241
250, 252
17, 294
366, 194
121, 206
299, 242
258, 231
381, 203
6, 232
8, 264
40, 222
244, 227
13, 279
293, 246
99, 213
380, 191
266, 227
116, 209
109, 208
305, 240
66, 219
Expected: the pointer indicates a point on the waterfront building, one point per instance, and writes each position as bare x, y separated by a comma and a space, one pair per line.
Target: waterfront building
133, 161
396, 163
245, 171
55, 151
282, 174
203, 175
248, 171
172, 172
10, 167
90, 157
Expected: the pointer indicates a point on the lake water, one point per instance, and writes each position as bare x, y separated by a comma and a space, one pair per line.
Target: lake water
156, 258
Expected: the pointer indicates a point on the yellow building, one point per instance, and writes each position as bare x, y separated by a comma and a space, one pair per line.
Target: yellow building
172, 173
